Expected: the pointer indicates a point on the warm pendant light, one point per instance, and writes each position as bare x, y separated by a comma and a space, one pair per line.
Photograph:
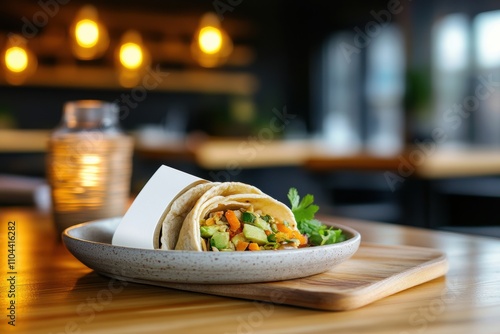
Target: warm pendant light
132, 58
210, 40
18, 61
211, 45
89, 36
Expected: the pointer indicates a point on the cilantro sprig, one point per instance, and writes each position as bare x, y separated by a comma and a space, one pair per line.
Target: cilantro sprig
304, 210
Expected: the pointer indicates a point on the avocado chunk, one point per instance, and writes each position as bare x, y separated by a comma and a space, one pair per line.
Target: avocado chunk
237, 238
208, 231
220, 240
262, 224
255, 234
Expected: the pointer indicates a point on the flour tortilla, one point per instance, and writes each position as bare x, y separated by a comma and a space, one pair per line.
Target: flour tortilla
229, 195
177, 211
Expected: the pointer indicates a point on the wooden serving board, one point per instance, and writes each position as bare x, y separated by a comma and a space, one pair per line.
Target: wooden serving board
374, 272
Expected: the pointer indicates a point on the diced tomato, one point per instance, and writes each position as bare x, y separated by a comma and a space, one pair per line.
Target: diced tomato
302, 238
233, 233
234, 223
283, 228
254, 246
242, 245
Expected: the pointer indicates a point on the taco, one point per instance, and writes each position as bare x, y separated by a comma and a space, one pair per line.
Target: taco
177, 211
233, 216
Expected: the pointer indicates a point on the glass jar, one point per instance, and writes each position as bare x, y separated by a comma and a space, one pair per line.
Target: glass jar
89, 164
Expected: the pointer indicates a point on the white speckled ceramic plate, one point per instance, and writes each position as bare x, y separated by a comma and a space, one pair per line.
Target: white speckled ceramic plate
91, 244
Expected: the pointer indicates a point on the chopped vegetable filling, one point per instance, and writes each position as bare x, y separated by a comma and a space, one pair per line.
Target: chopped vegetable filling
247, 230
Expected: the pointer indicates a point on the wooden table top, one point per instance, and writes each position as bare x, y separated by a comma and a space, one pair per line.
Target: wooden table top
413, 161
55, 293
424, 161
315, 155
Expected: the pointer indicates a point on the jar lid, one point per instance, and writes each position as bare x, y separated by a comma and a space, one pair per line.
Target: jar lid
90, 114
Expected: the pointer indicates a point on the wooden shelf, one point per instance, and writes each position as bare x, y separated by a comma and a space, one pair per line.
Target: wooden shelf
167, 35
164, 80
23, 141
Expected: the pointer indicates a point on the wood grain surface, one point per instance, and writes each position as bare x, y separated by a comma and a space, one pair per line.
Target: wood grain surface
57, 294
374, 272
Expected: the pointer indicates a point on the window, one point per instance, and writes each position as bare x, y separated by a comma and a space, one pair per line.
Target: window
340, 95
363, 109
486, 28
487, 43
385, 88
450, 66
465, 56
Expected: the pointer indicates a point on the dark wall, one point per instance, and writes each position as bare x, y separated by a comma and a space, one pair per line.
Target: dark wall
286, 35
287, 38
41, 108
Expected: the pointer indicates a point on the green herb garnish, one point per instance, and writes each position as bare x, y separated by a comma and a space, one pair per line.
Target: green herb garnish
304, 211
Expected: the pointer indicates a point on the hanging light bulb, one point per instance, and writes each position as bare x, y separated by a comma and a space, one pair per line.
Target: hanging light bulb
211, 45
87, 33
132, 58
210, 40
18, 60
89, 36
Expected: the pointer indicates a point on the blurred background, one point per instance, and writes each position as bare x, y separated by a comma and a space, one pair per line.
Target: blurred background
366, 79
